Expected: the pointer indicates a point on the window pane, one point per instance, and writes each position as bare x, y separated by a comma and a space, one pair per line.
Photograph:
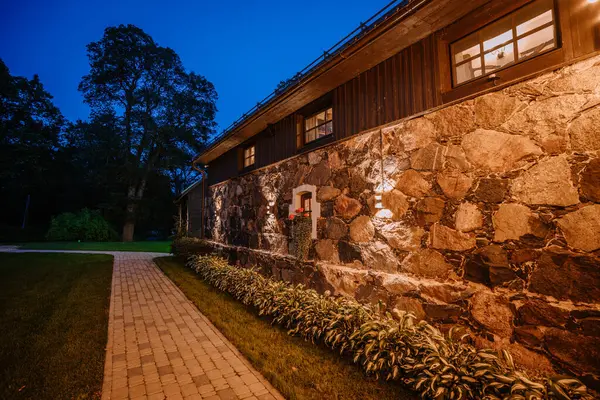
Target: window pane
310, 136
466, 48
325, 129
499, 58
534, 22
320, 118
329, 114
311, 122
536, 43
497, 40
468, 70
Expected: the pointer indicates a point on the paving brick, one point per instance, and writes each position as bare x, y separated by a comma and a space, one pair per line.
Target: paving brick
160, 346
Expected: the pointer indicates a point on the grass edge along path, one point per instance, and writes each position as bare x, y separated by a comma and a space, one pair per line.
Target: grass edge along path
148, 246
298, 369
54, 318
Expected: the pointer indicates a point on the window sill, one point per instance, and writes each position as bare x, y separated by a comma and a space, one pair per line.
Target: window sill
315, 144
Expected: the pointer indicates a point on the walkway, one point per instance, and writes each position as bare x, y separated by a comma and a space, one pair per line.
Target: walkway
161, 347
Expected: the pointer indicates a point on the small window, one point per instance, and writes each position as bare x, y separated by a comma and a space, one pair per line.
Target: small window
305, 199
526, 33
318, 125
248, 156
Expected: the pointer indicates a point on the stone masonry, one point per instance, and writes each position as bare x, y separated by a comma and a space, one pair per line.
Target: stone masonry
492, 218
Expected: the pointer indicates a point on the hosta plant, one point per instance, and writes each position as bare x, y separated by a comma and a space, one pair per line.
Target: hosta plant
392, 346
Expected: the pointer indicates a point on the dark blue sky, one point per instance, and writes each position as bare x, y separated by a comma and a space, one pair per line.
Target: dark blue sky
244, 47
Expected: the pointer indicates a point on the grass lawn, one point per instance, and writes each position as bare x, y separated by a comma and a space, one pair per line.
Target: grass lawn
298, 369
151, 246
53, 324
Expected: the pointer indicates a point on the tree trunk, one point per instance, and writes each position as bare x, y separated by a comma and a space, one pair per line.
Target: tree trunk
128, 229
129, 225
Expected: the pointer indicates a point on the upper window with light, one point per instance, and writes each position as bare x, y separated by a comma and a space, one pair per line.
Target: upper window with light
249, 156
318, 125
521, 35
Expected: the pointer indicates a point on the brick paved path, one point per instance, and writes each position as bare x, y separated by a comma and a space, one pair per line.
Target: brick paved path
161, 347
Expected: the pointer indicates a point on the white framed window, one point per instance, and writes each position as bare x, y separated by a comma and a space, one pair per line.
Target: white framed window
521, 35
305, 197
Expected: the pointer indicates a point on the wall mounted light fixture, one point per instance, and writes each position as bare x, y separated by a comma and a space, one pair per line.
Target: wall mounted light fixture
270, 209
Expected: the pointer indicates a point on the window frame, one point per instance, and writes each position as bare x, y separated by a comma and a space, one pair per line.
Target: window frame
515, 71
513, 41
251, 156
305, 131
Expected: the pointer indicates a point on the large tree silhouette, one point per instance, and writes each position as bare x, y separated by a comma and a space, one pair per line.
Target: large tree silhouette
163, 112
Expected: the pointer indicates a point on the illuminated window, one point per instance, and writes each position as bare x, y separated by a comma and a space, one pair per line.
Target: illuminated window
318, 125
526, 33
305, 200
248, 156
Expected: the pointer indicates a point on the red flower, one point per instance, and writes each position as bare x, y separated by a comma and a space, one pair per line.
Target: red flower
292, 216
299, 210
307, 215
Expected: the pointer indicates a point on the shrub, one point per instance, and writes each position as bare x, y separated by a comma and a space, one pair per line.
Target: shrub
85, 225
188, 246
386, 345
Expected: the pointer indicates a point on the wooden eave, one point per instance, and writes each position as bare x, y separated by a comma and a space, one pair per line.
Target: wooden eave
417, 20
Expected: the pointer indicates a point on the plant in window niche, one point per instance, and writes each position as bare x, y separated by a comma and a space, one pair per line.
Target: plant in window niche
301, 222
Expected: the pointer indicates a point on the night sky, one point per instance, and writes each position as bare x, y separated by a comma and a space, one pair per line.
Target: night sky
243, 47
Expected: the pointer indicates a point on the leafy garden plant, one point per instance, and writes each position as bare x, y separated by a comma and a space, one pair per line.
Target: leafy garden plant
86, 225
389, 345
301, 233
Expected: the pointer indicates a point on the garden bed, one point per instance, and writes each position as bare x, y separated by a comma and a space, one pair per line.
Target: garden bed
298, 369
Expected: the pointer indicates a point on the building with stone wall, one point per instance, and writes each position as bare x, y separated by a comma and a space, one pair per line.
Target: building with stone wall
471, 199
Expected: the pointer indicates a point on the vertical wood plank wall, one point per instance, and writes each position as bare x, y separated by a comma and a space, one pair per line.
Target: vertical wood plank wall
402, 85
412, 81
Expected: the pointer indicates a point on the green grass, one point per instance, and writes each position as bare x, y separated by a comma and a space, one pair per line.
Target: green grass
53, 324
152, 246
298, 369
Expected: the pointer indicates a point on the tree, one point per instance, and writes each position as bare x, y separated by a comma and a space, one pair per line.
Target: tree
164, 112
30, 133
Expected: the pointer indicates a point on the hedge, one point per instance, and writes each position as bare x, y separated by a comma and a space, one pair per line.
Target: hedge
387, 345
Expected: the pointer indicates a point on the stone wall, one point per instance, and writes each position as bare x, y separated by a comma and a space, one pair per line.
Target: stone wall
491, 218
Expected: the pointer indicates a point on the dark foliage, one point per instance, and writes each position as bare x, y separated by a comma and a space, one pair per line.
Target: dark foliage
85, 225
128, 160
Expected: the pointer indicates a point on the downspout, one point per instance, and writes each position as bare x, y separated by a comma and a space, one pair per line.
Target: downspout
204, 176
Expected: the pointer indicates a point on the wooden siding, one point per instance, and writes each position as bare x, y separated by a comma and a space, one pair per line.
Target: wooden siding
403, 85
413, 81
194, 211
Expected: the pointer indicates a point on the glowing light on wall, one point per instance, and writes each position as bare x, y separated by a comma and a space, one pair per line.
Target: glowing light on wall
271, 206
384, 214
378, 203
